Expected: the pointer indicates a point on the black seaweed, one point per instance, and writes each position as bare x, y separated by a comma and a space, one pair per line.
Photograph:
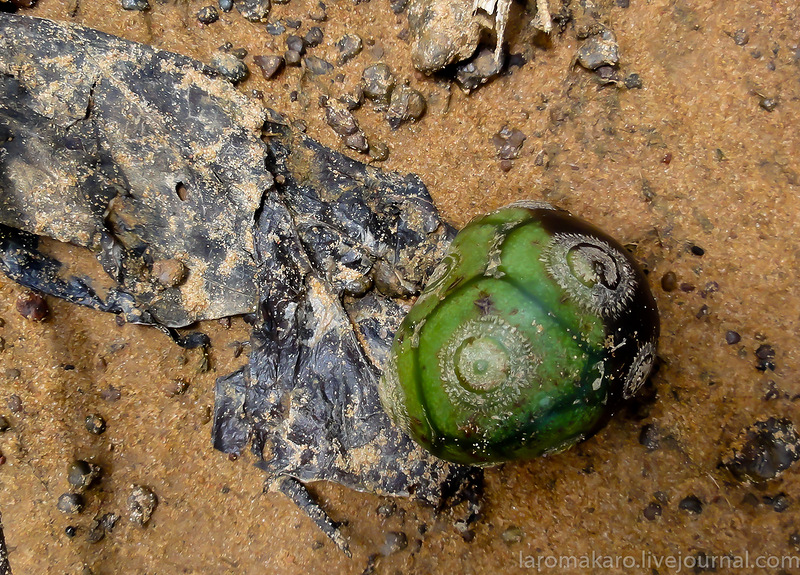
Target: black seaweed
140, 156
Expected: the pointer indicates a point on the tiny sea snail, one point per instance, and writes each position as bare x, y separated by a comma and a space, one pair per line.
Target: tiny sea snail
529, 334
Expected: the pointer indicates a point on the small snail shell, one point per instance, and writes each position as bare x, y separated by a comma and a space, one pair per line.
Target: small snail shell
530, 332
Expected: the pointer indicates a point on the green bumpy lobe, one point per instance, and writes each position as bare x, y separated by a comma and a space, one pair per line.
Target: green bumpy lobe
493, 362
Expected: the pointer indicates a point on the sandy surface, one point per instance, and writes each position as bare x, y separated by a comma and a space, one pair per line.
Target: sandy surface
689, 159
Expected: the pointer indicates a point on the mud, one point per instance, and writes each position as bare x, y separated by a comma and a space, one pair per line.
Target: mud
693, 158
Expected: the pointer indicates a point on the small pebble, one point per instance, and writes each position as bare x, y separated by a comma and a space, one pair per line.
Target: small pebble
14, 401
357, 142
295, 43
669, 281
599, 50
169, 273
652, 511
2, 344
377, 82
81, 474
276, 28
70, 531
317, 66
511, 535
687, 287
96, 532
95, 424
208, 15
292, 58
176, 387
313, 36
779, 503
349, 47
473, 73
141, 504
254, 10
293, 24
697, 251
406, 104
633, 82
508, 143
394, 542
763, 451
692, 504
649, 437
765, 356
741, 37
135, 5
70, 503
386, 510
4, 424
319, 14
732, 337
768, 104
340, 119
226, 5
110, 394
229, 66
506, 165
32, 306
13, 373
378, 151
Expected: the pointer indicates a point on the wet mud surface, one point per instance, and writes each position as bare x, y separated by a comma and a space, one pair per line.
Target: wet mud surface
697, 170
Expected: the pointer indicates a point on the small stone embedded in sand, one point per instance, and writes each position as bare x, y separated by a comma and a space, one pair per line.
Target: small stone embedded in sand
141, 504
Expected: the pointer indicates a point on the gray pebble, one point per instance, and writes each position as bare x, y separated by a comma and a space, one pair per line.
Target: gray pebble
378, 82
208, 15
95, 424
81, 474
741, 37
319, 14
254, 10
226, 5
135, 5
349, 47
270, 65
14, 401
768, 104
508, 143
341, 120
633, 82
292, 58
317, 66
141, 504
229, 66
70, 503
692, 504
599, 50
477, 71
314, 36
276, 28
295, 43
357, 142
406, 104
394, 541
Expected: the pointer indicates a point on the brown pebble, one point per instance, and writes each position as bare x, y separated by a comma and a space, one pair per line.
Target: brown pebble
652, 511
32, 306
687, 287
667, 158
506, 165
2, 459
224, 322
14, 404
13, 373
169, 273
669, 281
111, 394
176, 387
270, 65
